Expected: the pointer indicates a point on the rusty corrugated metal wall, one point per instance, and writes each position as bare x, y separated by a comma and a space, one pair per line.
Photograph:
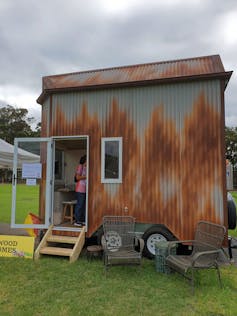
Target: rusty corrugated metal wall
172, 150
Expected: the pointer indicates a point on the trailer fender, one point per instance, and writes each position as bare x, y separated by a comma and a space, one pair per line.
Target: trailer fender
153, 235
231, 214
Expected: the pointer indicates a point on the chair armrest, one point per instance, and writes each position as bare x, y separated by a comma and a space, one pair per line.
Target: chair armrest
191, 242
197, 255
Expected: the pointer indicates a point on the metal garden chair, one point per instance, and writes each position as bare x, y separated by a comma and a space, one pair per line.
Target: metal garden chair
119, 241
206, 247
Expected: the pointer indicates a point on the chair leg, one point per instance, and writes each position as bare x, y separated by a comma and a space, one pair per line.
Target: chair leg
192, 281
219, 275
230, 248
105, 263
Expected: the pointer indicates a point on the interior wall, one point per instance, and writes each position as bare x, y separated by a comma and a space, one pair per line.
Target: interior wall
71, 161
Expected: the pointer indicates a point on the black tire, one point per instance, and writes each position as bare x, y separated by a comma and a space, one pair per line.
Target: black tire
231, 214
100, 234
153, 235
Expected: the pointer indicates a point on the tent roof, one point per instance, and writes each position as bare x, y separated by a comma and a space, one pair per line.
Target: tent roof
7, 155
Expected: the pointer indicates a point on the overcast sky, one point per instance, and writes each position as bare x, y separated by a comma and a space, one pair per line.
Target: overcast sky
47, 37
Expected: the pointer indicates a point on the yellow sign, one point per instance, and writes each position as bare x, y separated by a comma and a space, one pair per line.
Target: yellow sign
16, 246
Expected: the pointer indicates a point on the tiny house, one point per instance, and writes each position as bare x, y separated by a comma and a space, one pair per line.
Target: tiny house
154, 138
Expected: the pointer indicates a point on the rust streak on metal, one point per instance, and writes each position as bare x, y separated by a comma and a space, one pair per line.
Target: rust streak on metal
167, 175
160, 167
201, 149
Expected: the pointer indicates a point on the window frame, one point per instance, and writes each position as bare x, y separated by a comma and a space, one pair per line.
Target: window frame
120, 163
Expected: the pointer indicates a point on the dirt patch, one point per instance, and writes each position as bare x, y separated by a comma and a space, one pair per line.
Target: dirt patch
5, 229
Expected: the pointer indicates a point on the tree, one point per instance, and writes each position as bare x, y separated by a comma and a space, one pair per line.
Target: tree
231, 144
14, 122
37, 131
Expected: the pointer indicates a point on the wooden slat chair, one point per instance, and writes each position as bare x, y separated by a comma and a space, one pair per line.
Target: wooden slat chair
119, 241
206, 247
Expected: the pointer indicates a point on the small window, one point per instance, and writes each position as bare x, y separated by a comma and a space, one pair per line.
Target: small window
111, 160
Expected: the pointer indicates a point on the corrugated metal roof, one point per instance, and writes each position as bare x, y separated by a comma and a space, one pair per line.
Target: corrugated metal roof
198, 66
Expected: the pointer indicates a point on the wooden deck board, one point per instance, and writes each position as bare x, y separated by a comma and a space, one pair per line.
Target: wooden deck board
62, 239
56, 251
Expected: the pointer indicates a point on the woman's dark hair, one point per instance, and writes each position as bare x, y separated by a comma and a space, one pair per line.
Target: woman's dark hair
83, 160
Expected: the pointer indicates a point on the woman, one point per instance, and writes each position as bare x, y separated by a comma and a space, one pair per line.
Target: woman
80, 177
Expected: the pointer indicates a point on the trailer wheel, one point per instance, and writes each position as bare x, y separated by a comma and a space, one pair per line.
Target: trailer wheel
100, 235
113, 239
231, 214
152, 236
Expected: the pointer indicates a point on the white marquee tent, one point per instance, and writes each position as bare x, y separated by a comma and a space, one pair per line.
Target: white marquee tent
7, 156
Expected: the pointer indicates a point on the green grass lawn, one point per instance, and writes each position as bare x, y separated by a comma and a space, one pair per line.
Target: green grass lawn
234, 194
27, 200
53, 286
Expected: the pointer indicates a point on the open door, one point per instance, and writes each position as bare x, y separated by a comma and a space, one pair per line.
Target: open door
32, 182
67, 151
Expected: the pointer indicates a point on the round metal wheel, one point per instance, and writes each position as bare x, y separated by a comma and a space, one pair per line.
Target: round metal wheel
153, 235
113, 240
152, 240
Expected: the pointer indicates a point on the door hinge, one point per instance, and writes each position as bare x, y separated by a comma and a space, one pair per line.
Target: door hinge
14, 179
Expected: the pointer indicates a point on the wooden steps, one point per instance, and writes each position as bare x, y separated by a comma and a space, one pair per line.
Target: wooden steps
53, 245
56, 251
62, 239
